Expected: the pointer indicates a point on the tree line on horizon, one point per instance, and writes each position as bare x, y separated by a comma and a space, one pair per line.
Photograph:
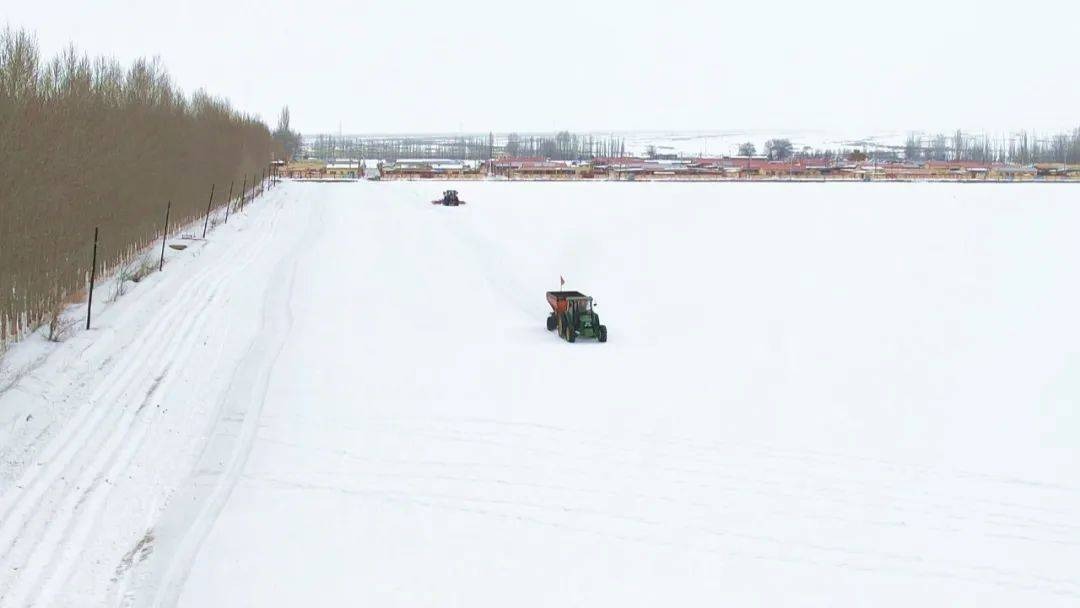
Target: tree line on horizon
89, 143
1021, 148
560, 146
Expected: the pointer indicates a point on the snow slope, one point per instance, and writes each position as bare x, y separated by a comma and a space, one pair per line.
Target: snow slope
97, 433
813, 394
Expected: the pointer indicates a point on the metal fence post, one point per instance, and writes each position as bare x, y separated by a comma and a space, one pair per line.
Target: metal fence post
164, 235
228, 202
208, 205
93, 276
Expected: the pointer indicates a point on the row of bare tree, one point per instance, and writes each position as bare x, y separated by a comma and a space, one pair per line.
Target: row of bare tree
88, 143
1021, 148
561, 146
330, 147
564, 146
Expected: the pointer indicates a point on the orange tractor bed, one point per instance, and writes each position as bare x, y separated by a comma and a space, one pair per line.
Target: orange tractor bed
558, 299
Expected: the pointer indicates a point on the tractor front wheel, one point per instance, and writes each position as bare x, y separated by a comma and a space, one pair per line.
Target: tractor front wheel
570, 337
603, 333
551, 323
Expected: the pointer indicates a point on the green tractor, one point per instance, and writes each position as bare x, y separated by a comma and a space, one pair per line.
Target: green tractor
573, 316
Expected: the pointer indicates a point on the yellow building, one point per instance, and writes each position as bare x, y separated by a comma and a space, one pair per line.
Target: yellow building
304, 169
343, 168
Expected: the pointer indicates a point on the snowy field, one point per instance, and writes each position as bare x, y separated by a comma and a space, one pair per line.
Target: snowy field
812, 395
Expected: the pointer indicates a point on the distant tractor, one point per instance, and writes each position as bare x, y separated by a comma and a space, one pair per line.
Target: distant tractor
573, 316
449, 199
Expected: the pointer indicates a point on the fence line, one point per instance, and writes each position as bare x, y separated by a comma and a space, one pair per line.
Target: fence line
91, 143
99, 271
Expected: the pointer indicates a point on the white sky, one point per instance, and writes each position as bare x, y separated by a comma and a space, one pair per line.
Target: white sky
407, 66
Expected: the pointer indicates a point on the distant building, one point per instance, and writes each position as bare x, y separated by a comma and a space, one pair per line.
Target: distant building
431, 169
344, 168
304, 169
539, 168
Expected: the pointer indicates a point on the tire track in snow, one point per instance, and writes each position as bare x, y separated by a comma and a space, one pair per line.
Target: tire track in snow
120, 420
129, 438
778, 474
757, 547
90, 447
248, 385
871, 496
78, 437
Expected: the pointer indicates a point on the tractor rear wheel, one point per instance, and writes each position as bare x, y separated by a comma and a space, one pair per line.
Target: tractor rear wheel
570, 337
603, 333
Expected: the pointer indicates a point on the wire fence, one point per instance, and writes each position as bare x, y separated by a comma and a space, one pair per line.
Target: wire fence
88, 144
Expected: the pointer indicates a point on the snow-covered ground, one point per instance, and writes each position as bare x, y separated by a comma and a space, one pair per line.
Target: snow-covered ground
813, 395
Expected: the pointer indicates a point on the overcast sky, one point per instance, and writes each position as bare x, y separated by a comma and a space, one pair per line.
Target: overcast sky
405, 66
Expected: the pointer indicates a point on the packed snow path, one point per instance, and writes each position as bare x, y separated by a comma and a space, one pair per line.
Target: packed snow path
813, 394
